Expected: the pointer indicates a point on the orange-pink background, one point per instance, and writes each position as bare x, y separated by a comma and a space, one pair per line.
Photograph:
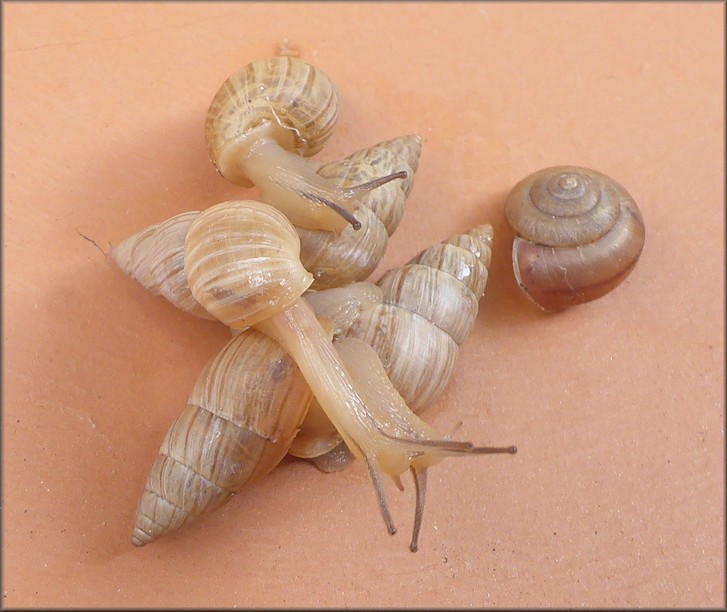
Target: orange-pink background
616, 497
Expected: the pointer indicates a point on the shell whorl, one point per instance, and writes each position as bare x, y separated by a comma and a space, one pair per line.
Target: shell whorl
240, 420
564, 206
388, 201
429, 307
242, 262
352, 255
579, 234
297, 101
155, 258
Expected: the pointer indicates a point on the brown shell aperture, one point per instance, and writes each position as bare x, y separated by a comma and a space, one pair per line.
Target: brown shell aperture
579, 234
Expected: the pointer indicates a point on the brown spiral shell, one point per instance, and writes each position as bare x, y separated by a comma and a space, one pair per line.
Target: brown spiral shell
241, 417
297, 102
579, 234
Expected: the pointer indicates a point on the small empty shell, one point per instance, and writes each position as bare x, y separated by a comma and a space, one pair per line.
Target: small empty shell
579, 235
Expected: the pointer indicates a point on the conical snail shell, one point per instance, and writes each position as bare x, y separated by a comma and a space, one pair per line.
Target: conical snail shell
155, 258
352, 255
388, 201
579, 234
429, 307
295, 101
241, 417
242, 262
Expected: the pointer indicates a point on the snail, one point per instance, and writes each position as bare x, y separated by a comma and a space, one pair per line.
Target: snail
428, 308
578, 235
155, 255
338, 259
246, 408
262, 123
241, 262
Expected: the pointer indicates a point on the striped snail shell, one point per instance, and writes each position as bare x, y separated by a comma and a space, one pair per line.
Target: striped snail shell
292, 101
387, 202
242, 264
429, 306
579, 235
245, 409
352, 255
427, 309
155, 258
261, 125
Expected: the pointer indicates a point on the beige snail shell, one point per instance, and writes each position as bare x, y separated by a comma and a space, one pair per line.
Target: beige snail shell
352, 255
245, 409
578, 235
262, 123
244, 258
155, 255
428, 308
293, 101
371, 417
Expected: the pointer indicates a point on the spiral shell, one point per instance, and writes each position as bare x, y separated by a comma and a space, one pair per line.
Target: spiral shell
242, 262
579, 234
388, 201
352, 255
241, 417
292, 100
429, 306
155, 258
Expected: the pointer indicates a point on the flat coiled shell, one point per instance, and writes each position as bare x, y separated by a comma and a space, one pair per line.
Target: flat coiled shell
297, 101
241, 417
242, 262
429, 307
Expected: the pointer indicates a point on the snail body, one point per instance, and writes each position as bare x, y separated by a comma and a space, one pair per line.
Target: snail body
261, 125
578, 235
352, 255
427, 309
245, 409
376, 425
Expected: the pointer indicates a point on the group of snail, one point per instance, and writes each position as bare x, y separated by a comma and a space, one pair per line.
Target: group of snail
322, 363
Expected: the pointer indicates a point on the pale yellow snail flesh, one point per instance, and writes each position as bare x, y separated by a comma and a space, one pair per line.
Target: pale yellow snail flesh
261, 124
579, 235
215, 248
428, 308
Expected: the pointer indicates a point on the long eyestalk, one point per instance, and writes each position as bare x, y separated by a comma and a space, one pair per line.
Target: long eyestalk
352, 388
290, 183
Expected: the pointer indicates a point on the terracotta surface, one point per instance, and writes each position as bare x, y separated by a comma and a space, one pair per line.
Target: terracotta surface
616, 497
